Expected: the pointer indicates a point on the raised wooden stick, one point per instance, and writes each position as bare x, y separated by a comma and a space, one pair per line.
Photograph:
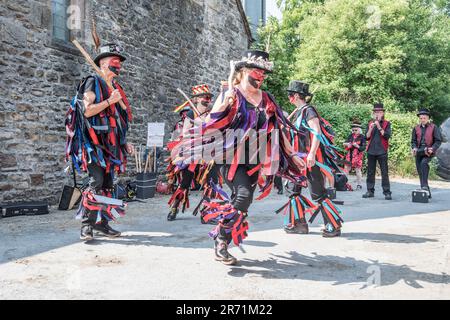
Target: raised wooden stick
97, 69
189, 100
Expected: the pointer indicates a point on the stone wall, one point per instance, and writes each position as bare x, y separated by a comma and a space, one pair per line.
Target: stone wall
169, 44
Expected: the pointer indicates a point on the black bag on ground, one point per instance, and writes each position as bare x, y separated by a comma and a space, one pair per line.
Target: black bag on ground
340, 180
70, 196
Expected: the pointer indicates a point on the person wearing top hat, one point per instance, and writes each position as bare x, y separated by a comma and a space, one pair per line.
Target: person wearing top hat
425, 140
99, 145
321, 162
377, 134
201, 100
355, 146
252, 152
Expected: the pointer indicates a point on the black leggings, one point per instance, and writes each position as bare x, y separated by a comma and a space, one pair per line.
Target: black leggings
187, 176
316, 184
423, 169
242, 186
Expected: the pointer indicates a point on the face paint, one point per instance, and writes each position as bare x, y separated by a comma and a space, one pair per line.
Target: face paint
114, 65
205, 101
292, 98
256, 78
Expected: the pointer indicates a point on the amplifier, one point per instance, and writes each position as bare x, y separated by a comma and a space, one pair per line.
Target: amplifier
420, 196
24, 208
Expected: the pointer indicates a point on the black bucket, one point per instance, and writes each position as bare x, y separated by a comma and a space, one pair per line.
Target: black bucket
145, 185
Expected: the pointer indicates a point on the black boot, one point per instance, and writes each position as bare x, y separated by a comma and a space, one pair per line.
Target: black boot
172, 214
222, 254
86, 233
388, 196
368, 194
298, 227
105, 229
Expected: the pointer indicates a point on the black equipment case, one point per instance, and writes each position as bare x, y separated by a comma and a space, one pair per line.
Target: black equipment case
24, 208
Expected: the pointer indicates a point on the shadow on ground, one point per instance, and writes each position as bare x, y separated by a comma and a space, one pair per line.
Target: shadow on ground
334, 269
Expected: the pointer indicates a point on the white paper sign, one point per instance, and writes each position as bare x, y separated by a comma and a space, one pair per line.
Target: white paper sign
155, 134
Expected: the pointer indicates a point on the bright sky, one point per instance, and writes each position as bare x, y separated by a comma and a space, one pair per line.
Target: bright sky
272, 9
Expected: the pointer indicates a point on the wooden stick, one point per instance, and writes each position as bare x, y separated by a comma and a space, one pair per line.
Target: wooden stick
188, 100
146, 163
97, 69
154, 164
293, 112
140, 159
136, 157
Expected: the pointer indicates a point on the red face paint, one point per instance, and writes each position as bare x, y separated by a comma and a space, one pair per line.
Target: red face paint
292, 98
205, 101
115, 65
258, 74
256, 78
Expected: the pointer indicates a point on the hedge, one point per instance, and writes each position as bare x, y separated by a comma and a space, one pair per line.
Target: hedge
400, 159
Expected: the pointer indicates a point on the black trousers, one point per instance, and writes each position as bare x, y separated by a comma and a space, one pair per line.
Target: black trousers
316, 184
278, 182
242, 186
187, 176
423, 169
371, 170
98, 180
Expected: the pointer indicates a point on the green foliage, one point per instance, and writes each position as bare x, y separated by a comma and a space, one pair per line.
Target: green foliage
400, 141
341, 116
364, 51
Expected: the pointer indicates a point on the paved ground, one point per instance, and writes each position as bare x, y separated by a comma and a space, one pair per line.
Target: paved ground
388, 250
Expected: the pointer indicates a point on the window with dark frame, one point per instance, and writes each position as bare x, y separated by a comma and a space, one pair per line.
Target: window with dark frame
59, 17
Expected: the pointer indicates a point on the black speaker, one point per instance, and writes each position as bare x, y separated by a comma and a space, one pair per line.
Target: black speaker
420, 196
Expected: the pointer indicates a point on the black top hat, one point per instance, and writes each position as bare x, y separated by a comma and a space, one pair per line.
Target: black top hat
299, 87
254, 59
423, 111
378, 107
109, 50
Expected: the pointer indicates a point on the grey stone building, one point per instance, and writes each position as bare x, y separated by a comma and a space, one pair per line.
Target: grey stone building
169, 44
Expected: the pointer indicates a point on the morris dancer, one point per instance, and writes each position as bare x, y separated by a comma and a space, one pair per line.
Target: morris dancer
355, 146
201, 98
174, 177
249, 111
322, 162
97, 127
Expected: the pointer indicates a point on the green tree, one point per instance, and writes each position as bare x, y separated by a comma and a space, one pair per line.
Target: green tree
363, 51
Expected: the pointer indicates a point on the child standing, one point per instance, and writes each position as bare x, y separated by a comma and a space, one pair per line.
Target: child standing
355, 145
